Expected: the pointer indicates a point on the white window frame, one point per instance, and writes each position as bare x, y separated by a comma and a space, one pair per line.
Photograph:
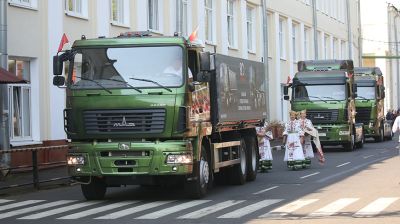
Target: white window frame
326, 42
28, 4
282, 39
122, 8
23, 121
84, 14
334, 48
306, 43
250, 27
157, 28
231, 19
294, 42
210, 38
186, 17
343, 50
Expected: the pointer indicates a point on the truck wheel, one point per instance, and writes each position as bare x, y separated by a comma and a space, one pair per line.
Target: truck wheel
252, 158
381, 136
198, 187
95, 190
238, 172
361, 143
350, 146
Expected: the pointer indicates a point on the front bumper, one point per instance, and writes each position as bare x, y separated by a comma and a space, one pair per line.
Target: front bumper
135, 158
335, 134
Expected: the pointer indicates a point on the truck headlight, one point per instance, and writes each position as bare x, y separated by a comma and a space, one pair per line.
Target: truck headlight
75, 160
179, 158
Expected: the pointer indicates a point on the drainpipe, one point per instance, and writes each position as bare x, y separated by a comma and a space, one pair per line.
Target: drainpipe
314, 8
360, 44
179, 17
349, 30
4, 126
265, 40
397, 58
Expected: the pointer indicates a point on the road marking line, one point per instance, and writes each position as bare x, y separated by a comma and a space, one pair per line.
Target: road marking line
309, 175
344, 164
333, 207
265, 190
385, 151
130, 211
375, 207
19, 204
366, 157
168, 211
98, 210
34, 208
4, 201
60, 210
288, 208
249, 209
211, 209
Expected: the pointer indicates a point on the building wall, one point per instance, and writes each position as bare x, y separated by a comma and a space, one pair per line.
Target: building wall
35, 34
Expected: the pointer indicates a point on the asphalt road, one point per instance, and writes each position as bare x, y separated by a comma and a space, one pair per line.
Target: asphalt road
352, 187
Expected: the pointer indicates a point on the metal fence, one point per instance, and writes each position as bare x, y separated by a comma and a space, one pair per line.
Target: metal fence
35, 167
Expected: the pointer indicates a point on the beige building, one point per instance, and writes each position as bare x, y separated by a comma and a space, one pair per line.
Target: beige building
232, 27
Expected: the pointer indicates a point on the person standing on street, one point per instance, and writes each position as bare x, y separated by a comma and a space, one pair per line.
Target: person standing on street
293, 138
264, 147
396, 126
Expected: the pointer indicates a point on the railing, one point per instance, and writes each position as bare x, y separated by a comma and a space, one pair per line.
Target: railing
35, 166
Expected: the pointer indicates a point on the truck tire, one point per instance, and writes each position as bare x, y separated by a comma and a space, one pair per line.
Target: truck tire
238, 173
198, 187
351, 145
381, 136
252, 157
95, 190
361, 143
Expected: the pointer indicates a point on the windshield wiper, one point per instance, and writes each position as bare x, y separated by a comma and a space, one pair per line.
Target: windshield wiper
148, 80
117, 80
328, 97
318, 98
98, 83
362, 98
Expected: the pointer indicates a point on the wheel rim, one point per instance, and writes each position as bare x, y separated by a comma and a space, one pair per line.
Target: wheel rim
204, 172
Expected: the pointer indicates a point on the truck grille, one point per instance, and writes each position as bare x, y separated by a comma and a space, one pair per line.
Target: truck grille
363, 115
322, 116
124, 121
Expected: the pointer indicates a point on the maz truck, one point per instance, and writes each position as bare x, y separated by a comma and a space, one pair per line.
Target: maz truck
326, 89
132, 119
370, 103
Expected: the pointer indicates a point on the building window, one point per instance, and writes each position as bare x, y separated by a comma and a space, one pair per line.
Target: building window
250, 29
306, 43
334, 49
209, 20
294, 40
153, 15
343, 50
20, 102
77, 8
326, 42
231, 23
120, 12
30, 4
282, 39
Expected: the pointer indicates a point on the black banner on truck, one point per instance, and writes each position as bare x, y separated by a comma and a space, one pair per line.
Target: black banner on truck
240, 89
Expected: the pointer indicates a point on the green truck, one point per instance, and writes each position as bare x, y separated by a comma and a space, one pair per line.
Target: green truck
370, 103
326, 89
132, 119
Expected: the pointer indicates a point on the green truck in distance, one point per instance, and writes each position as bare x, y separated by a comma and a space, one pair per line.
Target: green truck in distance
370, 103
326, 89
143, 110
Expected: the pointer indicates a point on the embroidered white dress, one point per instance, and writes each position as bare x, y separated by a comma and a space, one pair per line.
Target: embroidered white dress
293, 148
306, 125
264, 146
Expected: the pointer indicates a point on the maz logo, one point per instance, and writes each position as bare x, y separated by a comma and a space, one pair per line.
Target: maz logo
319, 117
124, 124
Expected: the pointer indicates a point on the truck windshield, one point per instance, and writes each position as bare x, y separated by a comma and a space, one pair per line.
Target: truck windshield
319, 92
366, 92
125, 67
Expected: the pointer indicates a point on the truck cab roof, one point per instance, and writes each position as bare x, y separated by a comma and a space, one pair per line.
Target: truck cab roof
321, 77
367, 71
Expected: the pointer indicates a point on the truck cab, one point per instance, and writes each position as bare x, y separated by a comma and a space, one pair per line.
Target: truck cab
326, 89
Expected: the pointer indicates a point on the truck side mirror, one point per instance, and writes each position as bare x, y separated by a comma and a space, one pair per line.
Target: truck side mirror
57, 65
285, 90
354, 87
203, 76
206, 61
286, 97
58, 80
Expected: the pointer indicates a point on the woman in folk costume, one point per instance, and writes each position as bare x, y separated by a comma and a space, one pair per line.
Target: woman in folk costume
306, 126
293, 138
264, 147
